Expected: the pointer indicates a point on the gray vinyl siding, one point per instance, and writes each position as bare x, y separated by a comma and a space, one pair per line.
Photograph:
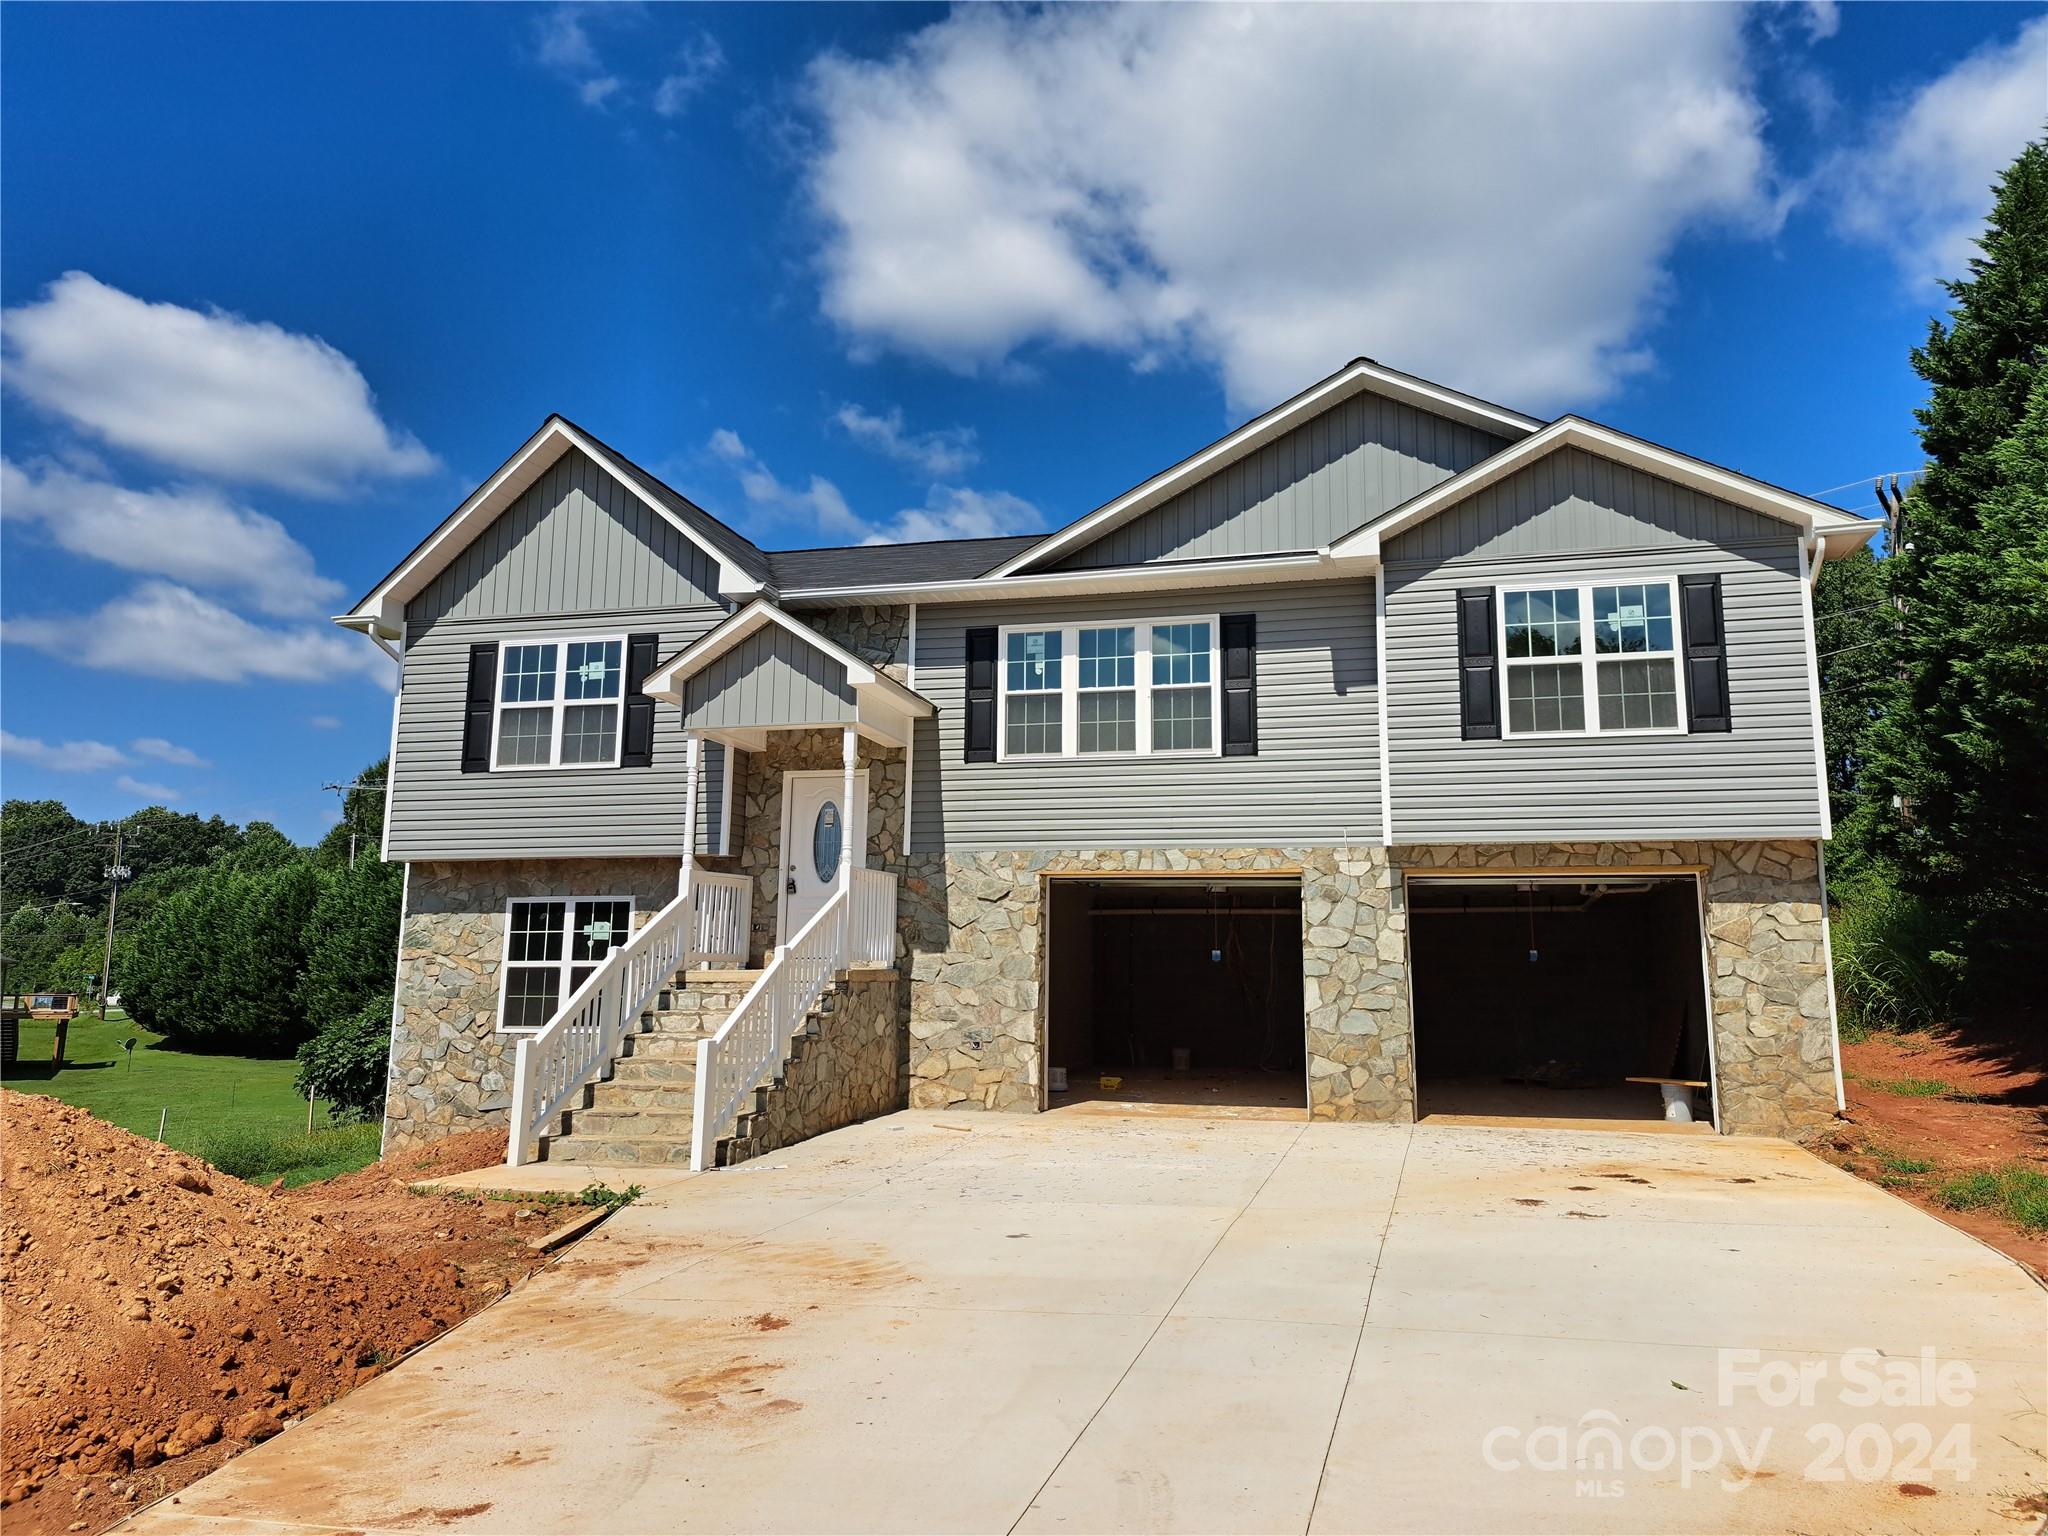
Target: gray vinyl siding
577, 554
440, 812
1576, 517
1315, 779
576, 541
1334, 472
770, 678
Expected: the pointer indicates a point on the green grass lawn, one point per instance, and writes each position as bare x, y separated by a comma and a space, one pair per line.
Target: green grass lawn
241, 1113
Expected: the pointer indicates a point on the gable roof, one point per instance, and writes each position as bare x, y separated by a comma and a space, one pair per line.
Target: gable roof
1843, 530
1361, 374
742, 568
666, 680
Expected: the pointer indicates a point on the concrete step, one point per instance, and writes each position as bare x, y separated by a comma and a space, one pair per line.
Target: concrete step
648, 1071
618, 1149
628, 1095
607, 1124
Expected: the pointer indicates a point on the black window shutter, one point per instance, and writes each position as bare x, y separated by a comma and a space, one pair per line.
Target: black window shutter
981, 696
1240, 685
1478, 673
636, 745
1706, 654
476, 714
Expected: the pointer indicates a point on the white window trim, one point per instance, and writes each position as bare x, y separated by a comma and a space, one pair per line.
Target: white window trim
1070, 688
565, 964
1588, 658
499, 704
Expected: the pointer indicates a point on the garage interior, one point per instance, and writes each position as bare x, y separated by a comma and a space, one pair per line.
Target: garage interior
1543, 998
1176, 992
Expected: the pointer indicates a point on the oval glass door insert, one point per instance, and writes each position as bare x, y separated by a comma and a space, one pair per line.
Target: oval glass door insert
825, 837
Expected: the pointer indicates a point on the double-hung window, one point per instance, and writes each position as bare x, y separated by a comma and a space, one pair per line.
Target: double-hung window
552, 944
1592, 659
1121, 689
558, 703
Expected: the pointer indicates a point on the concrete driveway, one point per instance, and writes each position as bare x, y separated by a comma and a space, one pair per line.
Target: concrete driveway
1088, 1322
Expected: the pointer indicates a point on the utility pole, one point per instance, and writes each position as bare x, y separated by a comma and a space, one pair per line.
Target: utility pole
116, 873
345, 790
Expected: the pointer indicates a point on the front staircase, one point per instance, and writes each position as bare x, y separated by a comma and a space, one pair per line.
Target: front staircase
645, 1111
656, 1059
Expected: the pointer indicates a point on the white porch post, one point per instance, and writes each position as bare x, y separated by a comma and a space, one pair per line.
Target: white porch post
849, 752
693, 749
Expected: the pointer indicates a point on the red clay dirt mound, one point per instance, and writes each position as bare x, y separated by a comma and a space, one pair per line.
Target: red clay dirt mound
159, 1315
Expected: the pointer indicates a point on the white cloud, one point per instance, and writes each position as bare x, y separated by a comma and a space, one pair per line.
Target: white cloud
1487, 196
561, 41
1922, 187
595, 93
164, 630
65, 757
695, 65
938, 453
954, 512
166, 752
1822, 19
325, 722
142, 789
190, 534
212, 393
819, 503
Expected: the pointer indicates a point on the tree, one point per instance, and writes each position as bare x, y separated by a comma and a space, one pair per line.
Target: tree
156, 839
352, 946
48, 855
362, 814
1954, 781
1853, 624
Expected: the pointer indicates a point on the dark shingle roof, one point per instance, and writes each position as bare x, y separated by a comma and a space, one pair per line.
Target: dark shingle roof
868, 565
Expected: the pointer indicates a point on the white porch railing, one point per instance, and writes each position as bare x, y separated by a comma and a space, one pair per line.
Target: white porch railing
755, 1036
590, 1028
874, 918
725, 917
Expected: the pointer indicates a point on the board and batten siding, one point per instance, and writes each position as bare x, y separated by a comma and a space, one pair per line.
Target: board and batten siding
1574, 517
1315, 779
1334, 472
771, 678
577, 554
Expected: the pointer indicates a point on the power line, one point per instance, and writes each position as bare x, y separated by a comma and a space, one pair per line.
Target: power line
1902, 474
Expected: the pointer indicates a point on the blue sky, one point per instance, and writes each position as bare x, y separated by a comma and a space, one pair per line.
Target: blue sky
282, 283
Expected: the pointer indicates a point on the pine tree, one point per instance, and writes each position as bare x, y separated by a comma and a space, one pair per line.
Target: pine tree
1955, 776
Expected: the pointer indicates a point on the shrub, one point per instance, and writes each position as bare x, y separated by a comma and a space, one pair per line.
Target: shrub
1893, 967
345, 1063
295, 1156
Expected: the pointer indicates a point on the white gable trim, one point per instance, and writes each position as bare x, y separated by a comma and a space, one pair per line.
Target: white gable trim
666, 681
383, 610
1356, 378
1802, 512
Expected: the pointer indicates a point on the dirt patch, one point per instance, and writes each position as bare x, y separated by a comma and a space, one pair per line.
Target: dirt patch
161, 1316
1994, 1111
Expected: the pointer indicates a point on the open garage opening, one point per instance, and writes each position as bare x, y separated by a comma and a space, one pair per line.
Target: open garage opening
1560, 998
1175, 992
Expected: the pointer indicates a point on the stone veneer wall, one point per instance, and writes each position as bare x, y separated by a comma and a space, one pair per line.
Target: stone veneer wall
757, 812
975, 928
1773, 1017
851, 1070
450, 1068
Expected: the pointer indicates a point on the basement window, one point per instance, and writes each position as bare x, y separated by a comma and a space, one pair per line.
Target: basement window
552, 944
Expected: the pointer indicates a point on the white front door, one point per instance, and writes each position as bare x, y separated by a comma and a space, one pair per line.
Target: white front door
814, 827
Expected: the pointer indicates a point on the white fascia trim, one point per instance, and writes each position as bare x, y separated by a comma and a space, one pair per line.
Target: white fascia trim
665, 681
1188, 577
1802, 512
385, 606
1379, 618
1357, 377
1820, 747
